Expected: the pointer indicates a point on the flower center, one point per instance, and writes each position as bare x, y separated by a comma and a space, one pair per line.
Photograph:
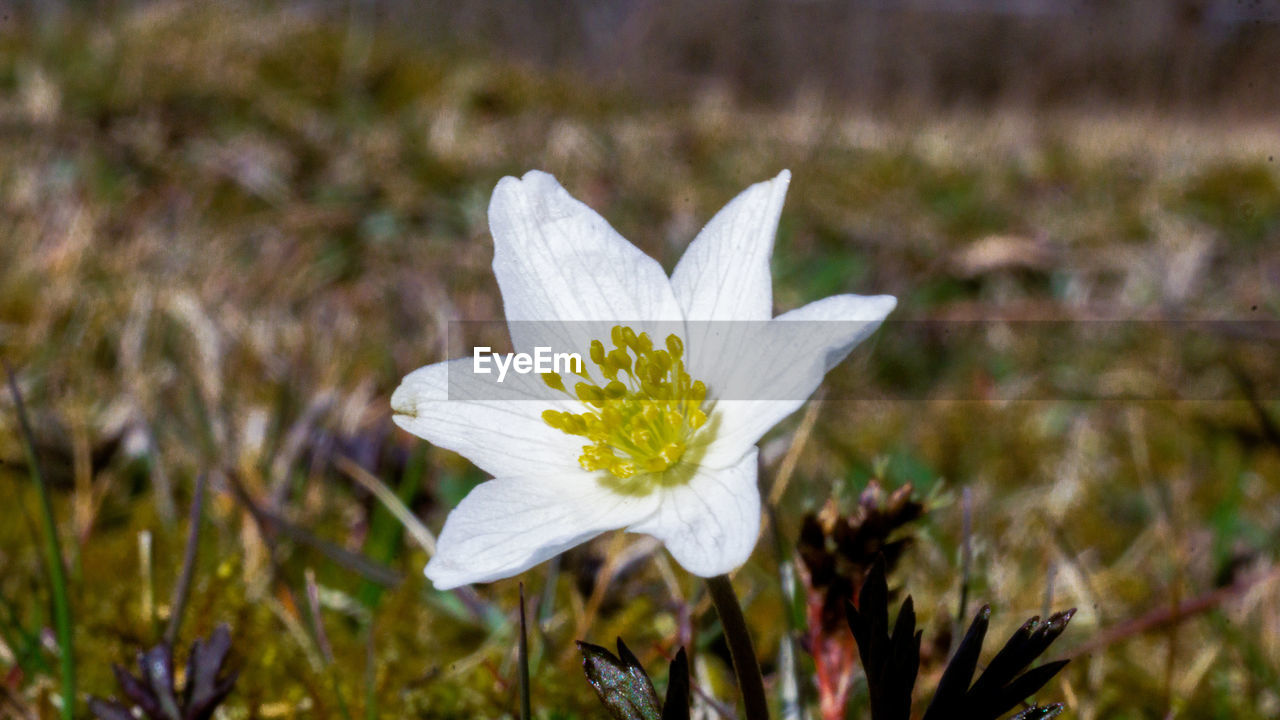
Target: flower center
641, 420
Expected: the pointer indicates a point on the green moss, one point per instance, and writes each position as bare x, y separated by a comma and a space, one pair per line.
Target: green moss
1240, 200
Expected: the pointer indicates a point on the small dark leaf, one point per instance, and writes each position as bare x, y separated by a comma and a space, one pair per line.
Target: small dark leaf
1017, 654
1027, 644
107, 710
1023, 687
1000, 687
204, 665
1040, 712
153, 691
903, 661
1050, 630
157, 672
873, 601
890, 662
959, 672
677, 705
621, 683
136, 691
205, 690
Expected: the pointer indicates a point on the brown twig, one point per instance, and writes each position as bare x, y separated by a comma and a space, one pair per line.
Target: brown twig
1250, 389
317, 621
1162, 617
798, 441
269, 524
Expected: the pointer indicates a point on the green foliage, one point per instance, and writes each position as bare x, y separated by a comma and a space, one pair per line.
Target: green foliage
1242, 201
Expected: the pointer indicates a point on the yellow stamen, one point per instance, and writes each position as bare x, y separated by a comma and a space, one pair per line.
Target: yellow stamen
553, 381
642, 419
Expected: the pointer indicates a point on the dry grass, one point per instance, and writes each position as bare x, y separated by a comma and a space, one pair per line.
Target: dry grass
228, 234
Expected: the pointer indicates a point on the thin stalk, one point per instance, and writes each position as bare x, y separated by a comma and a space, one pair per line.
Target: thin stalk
182, 590
745, 666
52, 558
385, 534
322, 643
791, 691
370, 676
145, 569
525, 705
966, 560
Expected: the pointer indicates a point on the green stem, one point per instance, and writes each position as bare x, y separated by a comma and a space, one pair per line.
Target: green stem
370, 675
52, 558
745, 666
525, 706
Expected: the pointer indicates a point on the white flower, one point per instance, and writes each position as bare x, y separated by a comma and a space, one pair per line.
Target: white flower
651, 440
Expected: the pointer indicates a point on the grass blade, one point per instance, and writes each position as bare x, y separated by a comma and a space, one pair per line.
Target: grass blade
389, 500
52, 557
385, 530
182, 590
322, 642
370, 676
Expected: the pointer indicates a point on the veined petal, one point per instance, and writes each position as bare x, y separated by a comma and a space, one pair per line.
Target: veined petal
710, 523
724, 273
557, 260
787, 360
497, 426
847, 319
507, 525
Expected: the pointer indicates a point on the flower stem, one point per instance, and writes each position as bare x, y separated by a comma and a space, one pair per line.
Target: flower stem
745, 666
526, 712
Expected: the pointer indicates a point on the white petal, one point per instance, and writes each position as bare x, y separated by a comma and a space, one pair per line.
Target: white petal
710, 523
557, 260
786, 362
848, 319
497, 426
724, 274
508, 525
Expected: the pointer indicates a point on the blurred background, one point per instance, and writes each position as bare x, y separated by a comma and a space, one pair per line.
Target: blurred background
227, 230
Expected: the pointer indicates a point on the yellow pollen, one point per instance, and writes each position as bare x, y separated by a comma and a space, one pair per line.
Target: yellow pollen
641, 420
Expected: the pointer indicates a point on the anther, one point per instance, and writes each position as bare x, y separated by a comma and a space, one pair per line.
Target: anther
641, 419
